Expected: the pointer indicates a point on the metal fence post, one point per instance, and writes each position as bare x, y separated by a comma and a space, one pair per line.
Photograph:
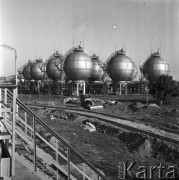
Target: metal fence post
13, 131
57, 155
83, 171
5, 102
5, 96
25, 117
34, 139
68, 162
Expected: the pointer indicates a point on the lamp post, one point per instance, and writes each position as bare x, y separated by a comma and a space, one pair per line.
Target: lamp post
12, 49
15, 110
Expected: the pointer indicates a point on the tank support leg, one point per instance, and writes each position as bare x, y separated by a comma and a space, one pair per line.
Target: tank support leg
72, 88
38, 86
120, 91
77, 89
125, 88
84, 88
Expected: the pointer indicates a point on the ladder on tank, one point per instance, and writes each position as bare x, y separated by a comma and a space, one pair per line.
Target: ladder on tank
29, 144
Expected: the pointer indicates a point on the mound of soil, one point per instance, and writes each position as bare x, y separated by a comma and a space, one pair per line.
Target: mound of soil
47, 112
71, 100
116, 106
112, 131
61, 114
97, 101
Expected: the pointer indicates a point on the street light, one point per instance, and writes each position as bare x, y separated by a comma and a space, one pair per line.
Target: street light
12, 49
15, 109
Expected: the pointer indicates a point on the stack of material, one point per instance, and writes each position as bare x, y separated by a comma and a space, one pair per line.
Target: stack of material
88, 126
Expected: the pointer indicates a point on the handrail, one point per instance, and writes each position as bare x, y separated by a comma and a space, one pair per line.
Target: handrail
61, 139
10, 86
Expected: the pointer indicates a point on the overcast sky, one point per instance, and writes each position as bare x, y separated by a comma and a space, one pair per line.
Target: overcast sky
35, 28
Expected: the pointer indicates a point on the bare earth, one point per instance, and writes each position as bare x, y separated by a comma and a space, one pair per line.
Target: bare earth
110, 145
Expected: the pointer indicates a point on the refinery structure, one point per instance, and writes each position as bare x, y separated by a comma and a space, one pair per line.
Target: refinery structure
72, 76
78, 80
76, 73
93, 92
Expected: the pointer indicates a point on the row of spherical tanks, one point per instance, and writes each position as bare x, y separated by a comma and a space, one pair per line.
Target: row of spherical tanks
78, 66
75, 66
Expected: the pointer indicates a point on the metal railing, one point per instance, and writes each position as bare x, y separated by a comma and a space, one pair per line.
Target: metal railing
63, 158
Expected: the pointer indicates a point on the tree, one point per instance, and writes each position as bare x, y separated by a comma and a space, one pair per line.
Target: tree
162, 89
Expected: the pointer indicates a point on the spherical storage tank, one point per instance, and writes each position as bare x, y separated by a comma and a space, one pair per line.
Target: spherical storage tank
53, 67
120, 67
97, 71
26, 71
78, 65
154, 67
36, 70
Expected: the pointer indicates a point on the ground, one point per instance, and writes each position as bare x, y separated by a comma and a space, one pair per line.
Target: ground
22, 173
110, 145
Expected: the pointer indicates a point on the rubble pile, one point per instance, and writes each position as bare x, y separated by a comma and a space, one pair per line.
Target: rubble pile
88, 125
116, 106
106, 129
137, 109
60, 114
47, 112
48, 103
97, 101
71, 100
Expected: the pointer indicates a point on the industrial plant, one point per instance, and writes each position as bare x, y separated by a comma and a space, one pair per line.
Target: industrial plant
92, 91
73, 95
76, 73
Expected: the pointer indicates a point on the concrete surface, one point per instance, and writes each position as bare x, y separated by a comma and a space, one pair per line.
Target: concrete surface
22, 173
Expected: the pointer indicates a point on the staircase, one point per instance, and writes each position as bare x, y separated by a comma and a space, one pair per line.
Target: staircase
35, 145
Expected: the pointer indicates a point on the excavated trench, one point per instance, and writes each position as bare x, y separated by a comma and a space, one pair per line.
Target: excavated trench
135, 142
141, 144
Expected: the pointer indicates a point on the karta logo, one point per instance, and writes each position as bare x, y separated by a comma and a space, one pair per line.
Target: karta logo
126, 170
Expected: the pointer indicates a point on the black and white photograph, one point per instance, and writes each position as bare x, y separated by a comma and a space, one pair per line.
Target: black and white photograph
89, 89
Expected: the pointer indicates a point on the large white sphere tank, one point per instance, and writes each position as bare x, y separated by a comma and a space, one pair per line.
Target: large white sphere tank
78, 65
120, 67
154, 67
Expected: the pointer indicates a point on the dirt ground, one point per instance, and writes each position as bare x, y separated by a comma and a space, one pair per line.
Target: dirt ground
22, 173
107, 147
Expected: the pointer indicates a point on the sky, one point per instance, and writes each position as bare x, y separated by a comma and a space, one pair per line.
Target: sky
36, 28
